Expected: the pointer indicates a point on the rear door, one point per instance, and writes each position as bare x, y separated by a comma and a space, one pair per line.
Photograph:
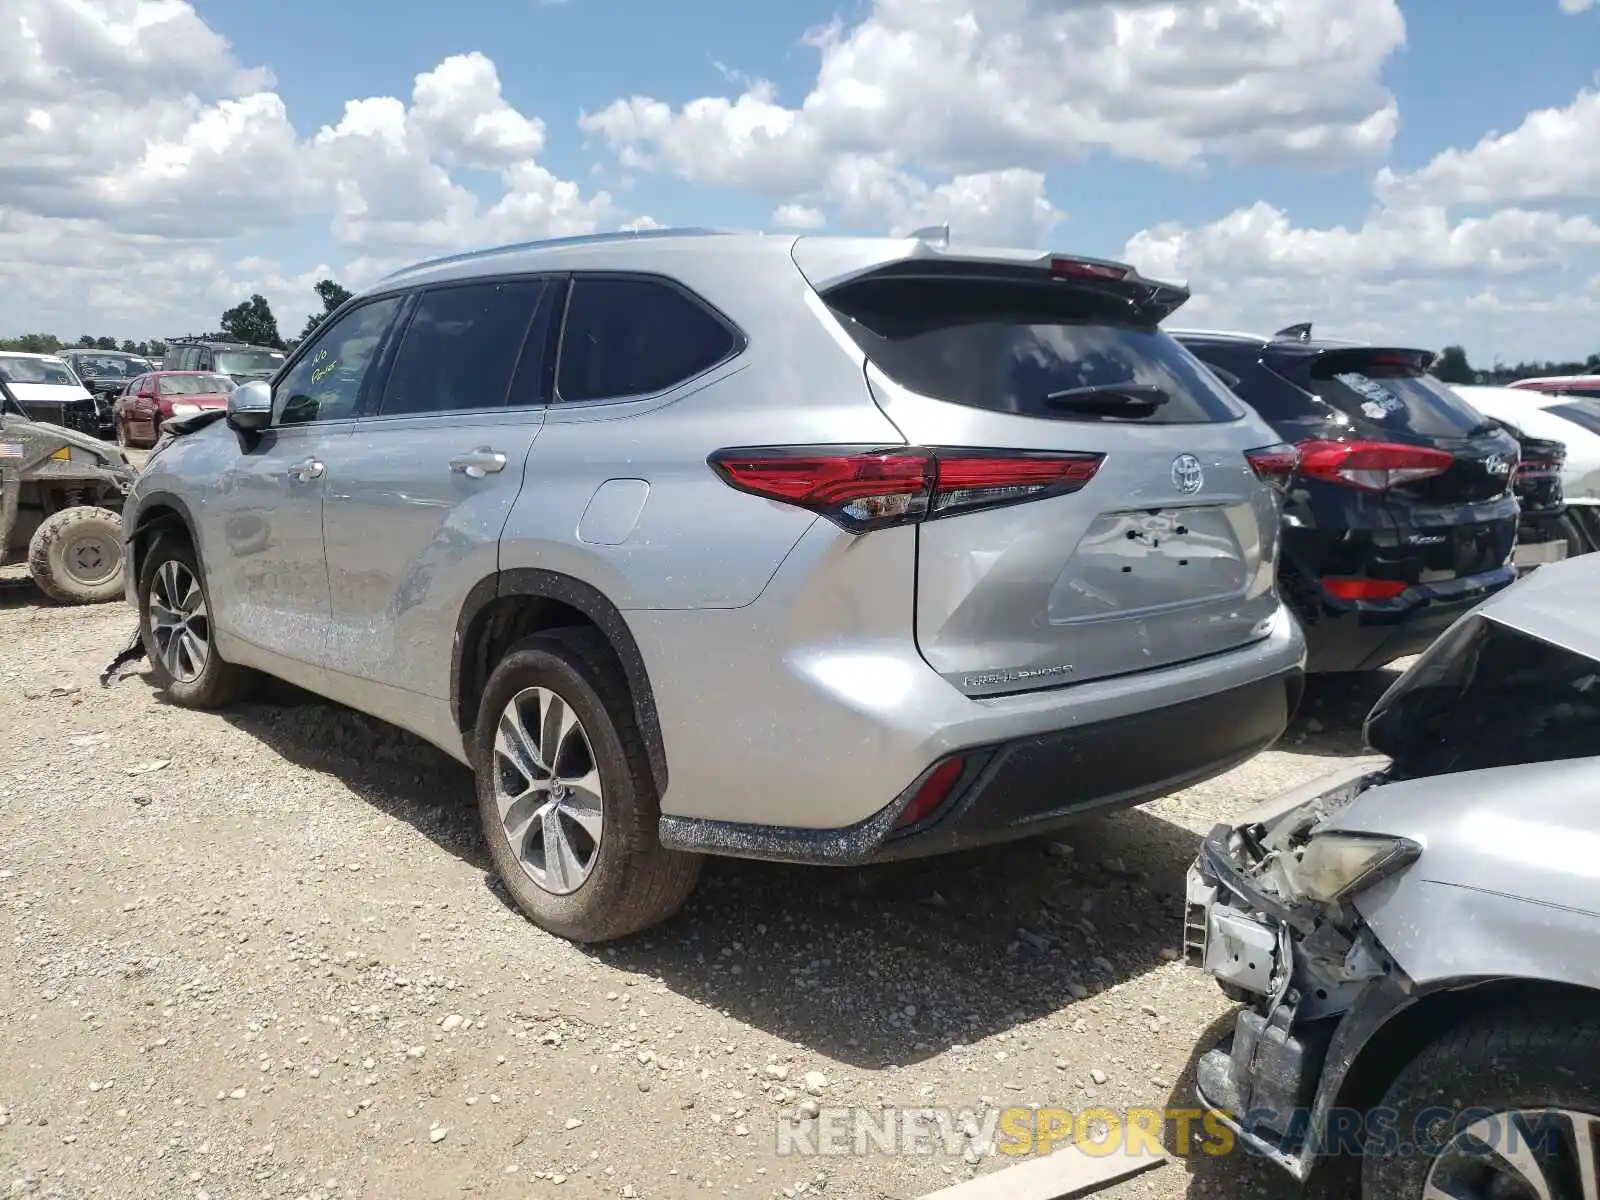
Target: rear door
424, 485
1165, 555
1459, 516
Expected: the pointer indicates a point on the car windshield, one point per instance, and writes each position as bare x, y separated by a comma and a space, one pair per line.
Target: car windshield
37, 370
195, 385
108, 366
249, 362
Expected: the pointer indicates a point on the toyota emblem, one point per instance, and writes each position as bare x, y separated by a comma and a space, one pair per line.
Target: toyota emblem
1187, 475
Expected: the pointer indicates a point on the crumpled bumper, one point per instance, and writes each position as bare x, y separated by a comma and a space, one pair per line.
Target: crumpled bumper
1266, 1079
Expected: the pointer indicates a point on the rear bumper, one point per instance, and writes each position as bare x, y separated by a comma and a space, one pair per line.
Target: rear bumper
1368, 637
1031, 785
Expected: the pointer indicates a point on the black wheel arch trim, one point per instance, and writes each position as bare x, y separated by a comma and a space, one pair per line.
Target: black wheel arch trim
537, 584
142, 525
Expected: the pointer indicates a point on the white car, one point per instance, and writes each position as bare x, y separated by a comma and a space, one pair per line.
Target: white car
44, 388
1570, 419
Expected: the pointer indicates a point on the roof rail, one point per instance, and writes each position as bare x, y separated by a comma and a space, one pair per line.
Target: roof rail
585, 239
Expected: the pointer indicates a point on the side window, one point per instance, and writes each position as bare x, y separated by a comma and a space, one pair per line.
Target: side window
325, 384
461, 348
633, 337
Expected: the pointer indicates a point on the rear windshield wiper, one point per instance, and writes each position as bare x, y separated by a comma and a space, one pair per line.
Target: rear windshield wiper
1109, 398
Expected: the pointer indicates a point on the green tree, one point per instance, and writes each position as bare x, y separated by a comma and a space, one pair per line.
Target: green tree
332, 295
252, 322
32, 343
1452, 366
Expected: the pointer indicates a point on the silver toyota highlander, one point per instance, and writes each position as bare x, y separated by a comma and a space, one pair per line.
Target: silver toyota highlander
829, 550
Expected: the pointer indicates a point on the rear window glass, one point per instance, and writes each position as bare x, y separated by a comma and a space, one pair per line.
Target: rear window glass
1395, 395
1009, 347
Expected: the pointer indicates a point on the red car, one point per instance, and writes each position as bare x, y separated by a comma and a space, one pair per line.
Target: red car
1562, 385
152, 399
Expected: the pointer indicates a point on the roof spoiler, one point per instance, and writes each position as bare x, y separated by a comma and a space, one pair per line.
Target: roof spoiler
1294, 333
829, 263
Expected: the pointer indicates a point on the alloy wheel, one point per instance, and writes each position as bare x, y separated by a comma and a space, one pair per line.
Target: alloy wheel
547, 790
179, 621
1526, 1154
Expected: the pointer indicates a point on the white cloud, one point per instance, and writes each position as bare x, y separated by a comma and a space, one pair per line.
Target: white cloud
1496, 239
955, 89
799, 217
1576, 6
1553, 156
136, 151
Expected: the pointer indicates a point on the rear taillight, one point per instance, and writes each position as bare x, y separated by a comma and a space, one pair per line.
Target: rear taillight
862, 489
1371, 466
1275, 464
1363, 589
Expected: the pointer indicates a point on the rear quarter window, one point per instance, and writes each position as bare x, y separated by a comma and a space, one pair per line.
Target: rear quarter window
1007, 346
629, 336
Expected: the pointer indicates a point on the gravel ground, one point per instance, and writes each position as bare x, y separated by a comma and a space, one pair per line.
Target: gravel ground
259, 953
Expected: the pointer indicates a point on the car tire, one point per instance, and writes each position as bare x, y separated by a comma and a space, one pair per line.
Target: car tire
75, 556
189, 679
1575, 535
1507, 1062
589, 888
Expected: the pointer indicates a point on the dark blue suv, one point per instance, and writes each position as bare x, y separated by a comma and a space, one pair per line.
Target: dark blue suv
1400, 513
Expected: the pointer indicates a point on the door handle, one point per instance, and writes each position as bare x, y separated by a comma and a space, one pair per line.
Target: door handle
310, 469
478, 463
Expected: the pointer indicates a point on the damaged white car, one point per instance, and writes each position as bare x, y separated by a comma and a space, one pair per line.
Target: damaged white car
1416, 939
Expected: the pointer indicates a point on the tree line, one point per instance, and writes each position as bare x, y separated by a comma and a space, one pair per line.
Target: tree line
249, 321
1452, 366
253, 321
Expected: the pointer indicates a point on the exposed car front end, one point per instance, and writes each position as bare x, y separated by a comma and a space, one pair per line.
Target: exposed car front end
1363, 917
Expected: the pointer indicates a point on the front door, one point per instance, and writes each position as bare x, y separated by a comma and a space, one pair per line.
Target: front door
262, 534
425, 483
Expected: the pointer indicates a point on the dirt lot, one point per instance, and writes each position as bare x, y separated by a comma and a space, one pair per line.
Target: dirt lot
258, 953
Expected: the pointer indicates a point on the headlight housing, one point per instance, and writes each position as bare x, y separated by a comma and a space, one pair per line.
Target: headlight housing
1335, 865
185, 410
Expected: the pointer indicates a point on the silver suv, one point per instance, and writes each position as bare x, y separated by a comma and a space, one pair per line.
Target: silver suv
829, 550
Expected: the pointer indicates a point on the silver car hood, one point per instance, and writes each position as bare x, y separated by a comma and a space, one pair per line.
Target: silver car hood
1531, 831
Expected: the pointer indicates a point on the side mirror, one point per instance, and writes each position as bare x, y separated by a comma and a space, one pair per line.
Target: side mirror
147, 392
250, 406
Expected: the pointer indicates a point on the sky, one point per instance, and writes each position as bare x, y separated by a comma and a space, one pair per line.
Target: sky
1419, 172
